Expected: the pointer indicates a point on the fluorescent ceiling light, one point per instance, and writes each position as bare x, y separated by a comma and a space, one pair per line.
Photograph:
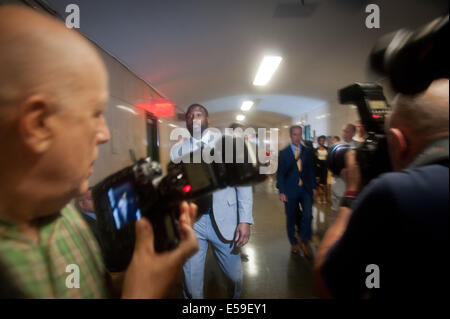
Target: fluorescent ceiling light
173, 125
240, 117
247, 105
267, 68
126, 108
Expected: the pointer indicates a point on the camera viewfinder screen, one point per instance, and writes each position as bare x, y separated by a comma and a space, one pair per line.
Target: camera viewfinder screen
123, 204
377, 104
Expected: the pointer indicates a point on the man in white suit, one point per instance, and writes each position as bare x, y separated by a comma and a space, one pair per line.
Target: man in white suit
224, 222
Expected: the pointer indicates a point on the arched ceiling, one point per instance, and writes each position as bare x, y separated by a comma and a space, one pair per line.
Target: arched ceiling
208, 51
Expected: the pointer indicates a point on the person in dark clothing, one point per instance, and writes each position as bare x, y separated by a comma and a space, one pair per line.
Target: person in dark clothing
85, 206
391, 240
321, 153
297, 185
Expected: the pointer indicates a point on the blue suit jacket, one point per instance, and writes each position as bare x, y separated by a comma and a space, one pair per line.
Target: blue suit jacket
288, 175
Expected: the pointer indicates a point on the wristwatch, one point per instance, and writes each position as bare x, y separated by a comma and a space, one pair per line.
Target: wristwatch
347, 201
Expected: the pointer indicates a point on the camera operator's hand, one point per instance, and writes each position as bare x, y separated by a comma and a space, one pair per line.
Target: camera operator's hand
151, 274
242, 234
283, 198
352, 173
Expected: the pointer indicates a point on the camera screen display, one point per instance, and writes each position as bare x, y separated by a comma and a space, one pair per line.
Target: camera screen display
197, 176
377, 104
123, 204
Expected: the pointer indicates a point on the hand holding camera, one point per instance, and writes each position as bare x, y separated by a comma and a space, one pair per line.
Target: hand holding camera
149, 274
140, 190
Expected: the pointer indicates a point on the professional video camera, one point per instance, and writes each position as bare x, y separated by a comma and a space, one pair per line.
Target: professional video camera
372, 155
141, 190
411, 60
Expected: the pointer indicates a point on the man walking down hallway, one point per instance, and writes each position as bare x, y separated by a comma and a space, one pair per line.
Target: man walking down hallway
224, 223
297, 185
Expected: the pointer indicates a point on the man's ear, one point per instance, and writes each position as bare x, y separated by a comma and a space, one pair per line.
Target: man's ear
34, 126
400, 143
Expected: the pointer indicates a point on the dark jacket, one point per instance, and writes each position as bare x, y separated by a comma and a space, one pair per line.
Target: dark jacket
288, 175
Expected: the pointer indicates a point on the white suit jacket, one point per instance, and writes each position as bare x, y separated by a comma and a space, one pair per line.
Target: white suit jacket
229, 204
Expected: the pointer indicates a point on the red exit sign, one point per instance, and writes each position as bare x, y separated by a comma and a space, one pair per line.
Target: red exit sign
158, 107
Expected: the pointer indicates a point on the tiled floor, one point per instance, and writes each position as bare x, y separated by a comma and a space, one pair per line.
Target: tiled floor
271, 271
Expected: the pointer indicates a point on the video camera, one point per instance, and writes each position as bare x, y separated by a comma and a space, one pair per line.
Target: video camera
140, 190
411, 60
372, 155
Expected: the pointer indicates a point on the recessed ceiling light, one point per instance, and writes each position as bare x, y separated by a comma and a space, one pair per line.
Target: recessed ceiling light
267, 68
240, 117
247, 105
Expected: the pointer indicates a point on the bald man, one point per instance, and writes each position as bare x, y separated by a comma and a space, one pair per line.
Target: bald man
391, 240
53, 92
338, 184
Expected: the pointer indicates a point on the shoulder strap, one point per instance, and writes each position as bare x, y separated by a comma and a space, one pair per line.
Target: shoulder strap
214, 223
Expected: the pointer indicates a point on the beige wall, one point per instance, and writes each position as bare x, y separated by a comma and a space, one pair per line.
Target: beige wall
328, 120
165, 126
128, 129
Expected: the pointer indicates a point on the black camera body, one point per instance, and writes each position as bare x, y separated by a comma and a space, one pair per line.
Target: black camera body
372, 156
412, 59
140, 190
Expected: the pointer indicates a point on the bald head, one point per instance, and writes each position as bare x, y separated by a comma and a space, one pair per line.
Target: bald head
425, 115
40, 56
416, 121
348, 131
53, 94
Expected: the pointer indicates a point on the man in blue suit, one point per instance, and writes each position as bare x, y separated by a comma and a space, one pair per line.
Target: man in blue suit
224, 223
297, 185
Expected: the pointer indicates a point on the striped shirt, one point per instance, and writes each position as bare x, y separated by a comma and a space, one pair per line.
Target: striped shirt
49, 268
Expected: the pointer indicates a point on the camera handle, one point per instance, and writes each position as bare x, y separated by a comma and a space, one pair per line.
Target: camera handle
167, 236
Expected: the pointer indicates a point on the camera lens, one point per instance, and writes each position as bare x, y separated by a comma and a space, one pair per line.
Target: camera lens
336, 157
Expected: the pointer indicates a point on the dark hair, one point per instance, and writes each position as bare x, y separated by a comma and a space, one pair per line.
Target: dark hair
322, 136
196, 105
352, 126
309, 143
236, 125
294, 127
337, 137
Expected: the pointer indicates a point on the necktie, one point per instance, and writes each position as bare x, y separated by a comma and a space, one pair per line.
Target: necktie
299, 164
